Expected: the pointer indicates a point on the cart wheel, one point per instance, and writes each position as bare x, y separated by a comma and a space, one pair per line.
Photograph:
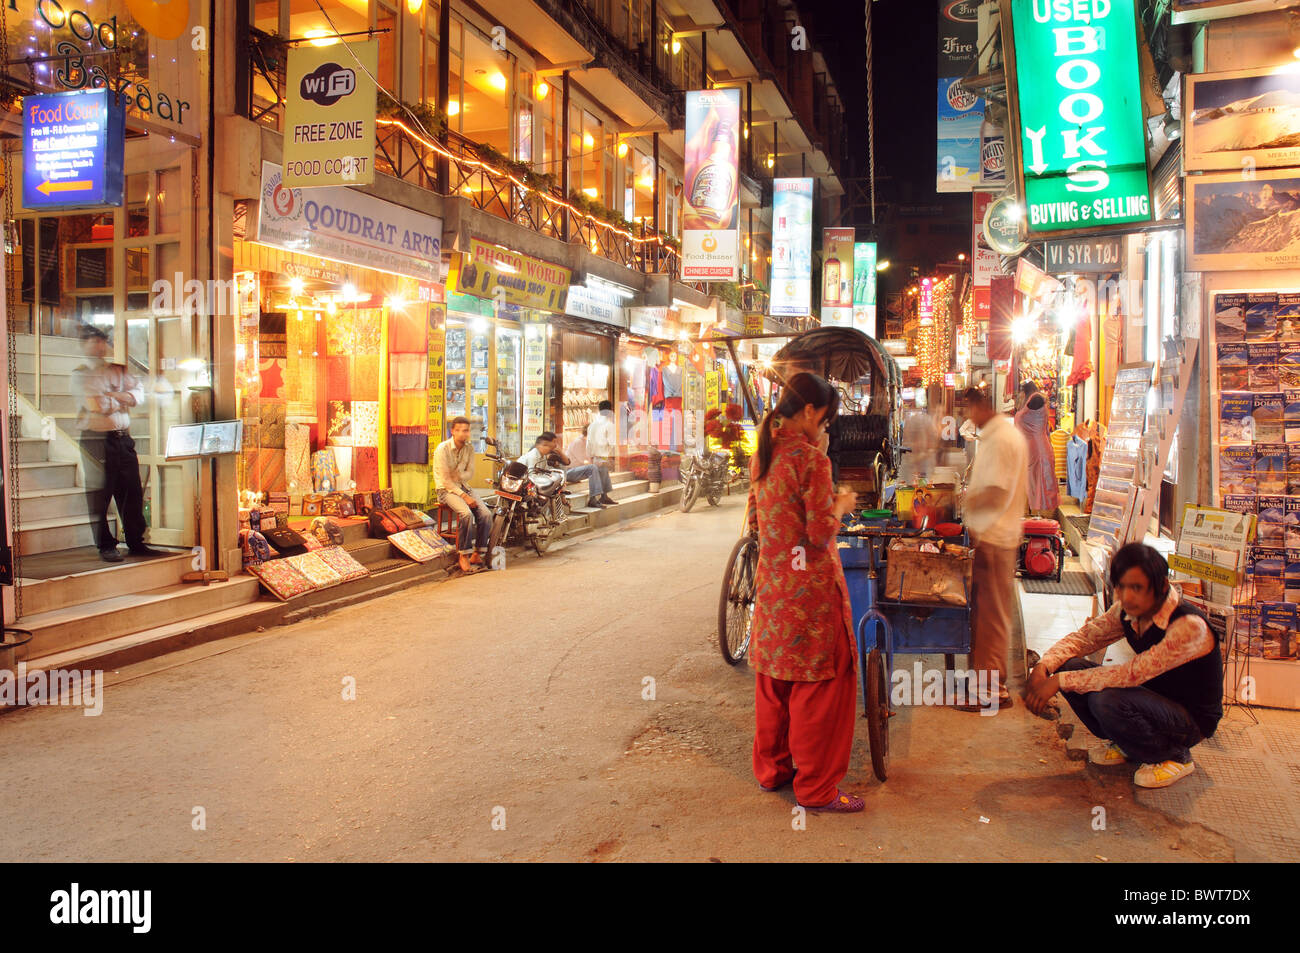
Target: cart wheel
877, 712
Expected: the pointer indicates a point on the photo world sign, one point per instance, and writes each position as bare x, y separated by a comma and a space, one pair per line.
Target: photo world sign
1082, 138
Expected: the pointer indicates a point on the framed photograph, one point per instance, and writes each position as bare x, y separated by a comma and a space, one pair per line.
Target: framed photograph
1245, 119
1236, 223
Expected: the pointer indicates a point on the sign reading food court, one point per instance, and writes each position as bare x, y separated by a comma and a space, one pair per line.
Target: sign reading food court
329, 136
1082, 136
73, 149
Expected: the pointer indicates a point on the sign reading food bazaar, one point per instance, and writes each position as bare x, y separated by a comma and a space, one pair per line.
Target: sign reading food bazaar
1082, 148
711, 204
73, 149
329, 135
76, 47
490, 271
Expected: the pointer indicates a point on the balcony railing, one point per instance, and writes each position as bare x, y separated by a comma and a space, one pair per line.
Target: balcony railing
407, 154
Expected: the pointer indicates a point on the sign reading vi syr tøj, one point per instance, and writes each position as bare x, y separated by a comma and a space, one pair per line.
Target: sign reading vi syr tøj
72, 150
1082, 135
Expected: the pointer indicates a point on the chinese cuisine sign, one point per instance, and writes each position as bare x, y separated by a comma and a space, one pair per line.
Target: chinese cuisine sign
710, 212
1082, 136
329, 136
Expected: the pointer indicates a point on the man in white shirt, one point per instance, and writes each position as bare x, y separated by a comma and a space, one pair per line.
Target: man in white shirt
598, 477
995, 504
546, 446
921, 438
602, 435
453, 465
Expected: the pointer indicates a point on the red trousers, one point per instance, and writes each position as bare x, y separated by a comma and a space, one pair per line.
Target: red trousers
809, 724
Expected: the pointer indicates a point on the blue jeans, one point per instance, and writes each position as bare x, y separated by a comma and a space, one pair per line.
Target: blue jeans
473, 526
1149, 727
597, 475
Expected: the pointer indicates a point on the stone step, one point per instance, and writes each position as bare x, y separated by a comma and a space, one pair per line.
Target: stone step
59, 630
47, 595
41, 505
33, 450
55, 535
50, 363
50, 345
51, 475
50, 383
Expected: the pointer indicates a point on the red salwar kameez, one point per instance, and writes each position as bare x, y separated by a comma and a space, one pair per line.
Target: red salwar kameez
802, 646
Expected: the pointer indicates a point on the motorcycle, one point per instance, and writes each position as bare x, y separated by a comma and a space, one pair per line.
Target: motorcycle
706, 473
531, 506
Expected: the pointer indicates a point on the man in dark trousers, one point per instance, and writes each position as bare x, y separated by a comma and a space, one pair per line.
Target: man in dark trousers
1156, 706
107, 393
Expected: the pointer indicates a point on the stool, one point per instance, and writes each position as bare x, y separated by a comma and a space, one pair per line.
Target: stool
446, 522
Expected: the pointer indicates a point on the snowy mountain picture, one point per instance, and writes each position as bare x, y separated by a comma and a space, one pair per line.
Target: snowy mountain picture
1238, 223
1249, 114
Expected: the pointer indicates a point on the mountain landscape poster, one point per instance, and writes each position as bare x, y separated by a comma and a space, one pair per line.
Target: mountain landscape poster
1243, 120
1243, 222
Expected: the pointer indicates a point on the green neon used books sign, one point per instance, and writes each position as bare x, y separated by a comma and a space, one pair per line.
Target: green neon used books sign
1082, 134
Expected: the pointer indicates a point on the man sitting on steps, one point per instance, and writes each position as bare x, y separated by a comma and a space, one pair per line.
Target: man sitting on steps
547, 446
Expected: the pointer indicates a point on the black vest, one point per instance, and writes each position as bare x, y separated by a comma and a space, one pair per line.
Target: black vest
1196, 685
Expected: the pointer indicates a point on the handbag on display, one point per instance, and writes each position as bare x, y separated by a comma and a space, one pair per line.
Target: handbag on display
361, 504
324, 471
311, 504
330, 505
408, 516
285, 541
281, 520
327, 532
383, 499
346, 508
384, 523
254, 547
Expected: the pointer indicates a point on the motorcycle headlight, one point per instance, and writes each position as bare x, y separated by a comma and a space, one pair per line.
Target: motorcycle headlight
511, 484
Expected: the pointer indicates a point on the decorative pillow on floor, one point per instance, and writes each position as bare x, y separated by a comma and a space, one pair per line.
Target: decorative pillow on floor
341, 561
413, 546
281, 579
434, 541
316, 569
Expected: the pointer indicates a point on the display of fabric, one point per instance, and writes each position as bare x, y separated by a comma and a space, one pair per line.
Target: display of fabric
1096, 443
270, 424
435, 542
297, 464
281, 579
408, 331
338, 426
343, 460
408, 447
338, 373
300, 362
408, 409
410, 483
324, 471
1076, 481
408, 372
410, 544
264, 469
365, 377
270, 373
310, 564
341, 561
365, 423
365, 468
1059, 439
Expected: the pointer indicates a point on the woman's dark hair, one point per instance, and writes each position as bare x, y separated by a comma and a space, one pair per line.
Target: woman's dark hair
801, 390
1143, 557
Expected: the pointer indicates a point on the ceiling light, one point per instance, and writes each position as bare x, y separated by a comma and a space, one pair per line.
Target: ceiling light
587, 141
590, 192
498, 81
677, 47
296, 286
321, 37
413, 6
542, 89
622, 149
453, 107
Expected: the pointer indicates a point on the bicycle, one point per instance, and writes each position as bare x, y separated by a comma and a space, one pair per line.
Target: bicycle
736, 602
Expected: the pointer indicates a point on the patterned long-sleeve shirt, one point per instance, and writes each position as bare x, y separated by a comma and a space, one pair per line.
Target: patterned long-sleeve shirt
1186, 639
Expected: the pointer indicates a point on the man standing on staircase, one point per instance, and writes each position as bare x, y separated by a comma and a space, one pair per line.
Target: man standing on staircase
107, 393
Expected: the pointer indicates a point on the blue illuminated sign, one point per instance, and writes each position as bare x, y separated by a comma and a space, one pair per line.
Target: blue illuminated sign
72, 150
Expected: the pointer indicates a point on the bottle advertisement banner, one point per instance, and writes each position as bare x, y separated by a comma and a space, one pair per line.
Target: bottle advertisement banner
864, 287
329, 115
837, 276
711, 204
1082, 138
984, 260
960, 112
792, 210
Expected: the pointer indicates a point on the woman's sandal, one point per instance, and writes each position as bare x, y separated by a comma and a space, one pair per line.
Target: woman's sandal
840, 804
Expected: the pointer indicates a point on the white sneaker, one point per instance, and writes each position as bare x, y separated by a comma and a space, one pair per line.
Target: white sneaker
1162, 775
1107, 756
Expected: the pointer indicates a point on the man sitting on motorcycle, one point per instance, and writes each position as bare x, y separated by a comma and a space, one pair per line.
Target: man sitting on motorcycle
453, 464
546, 447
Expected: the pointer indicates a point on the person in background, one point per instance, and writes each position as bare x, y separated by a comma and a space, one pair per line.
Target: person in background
453, 465
1155, 707
802, 648
994, 510
921, 438
108, 392
598, 482
546, 447
1031, 421
602, 435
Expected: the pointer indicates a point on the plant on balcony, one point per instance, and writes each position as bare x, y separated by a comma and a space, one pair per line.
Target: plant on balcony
728, 291
428, 115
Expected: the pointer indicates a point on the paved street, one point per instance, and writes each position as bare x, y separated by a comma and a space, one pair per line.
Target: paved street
517, 697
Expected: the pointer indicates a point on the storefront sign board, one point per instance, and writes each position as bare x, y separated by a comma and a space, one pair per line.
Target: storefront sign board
490, 271
864, 287
534, 378
595, 304
960, 111
712, 390
329, 115
437, 378
348, 226
1090, 255
1002, 226
792, 210
1081, 132
711, 203
984, 260
652, 322
73, 150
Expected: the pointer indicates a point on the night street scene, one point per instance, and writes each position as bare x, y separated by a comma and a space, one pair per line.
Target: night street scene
644, 431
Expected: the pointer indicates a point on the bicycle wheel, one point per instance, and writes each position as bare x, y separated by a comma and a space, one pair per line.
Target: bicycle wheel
736, 604
690, 492
877, 712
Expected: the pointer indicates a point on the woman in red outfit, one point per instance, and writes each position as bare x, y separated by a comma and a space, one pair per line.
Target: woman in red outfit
802, 647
